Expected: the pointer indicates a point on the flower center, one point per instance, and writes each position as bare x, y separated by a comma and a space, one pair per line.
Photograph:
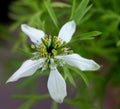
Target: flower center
52, 46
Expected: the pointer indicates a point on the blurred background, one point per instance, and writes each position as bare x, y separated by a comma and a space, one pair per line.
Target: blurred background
92, 17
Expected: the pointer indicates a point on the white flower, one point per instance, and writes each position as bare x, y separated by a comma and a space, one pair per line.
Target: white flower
51, 52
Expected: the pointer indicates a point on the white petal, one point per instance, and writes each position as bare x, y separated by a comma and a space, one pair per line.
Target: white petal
28, 68
56, 85
67, 31
34, 34
80, 62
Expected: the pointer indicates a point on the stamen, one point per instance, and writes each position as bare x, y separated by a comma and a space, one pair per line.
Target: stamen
54, 52
33, 46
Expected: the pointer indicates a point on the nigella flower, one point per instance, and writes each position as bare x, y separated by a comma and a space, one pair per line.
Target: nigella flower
51, 52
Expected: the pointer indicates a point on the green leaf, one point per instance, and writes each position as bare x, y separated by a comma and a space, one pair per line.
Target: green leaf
86, 10
31, 99
73, 9
5, 35
86, 36
22, 39
51, 12
83, 76
118, 43
80, 11
60, 4
27, 105
82, 5
24, 52
36, 97
54, 105
89, 35
81, 103
69, 76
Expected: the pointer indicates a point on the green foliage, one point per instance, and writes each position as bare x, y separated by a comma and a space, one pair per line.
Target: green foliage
80, 11
51, 12
68, 76
81, 103
4, 35
86, 36
31, 99
80, 73
54, 105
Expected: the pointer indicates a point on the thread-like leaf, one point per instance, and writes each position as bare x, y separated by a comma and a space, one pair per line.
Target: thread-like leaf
80, 11
51, 12
83, 76
60, 4
69, 76
86, 36
54, 105
73, 9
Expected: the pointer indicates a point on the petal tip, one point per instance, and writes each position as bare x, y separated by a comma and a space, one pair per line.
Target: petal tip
8, 81
98, 66
23, 26
59, 100
11, 80
73, 22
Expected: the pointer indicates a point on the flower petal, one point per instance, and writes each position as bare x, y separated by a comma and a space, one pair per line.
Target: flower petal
34, 34
56, 85
28, 68
80, 62
67, 31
